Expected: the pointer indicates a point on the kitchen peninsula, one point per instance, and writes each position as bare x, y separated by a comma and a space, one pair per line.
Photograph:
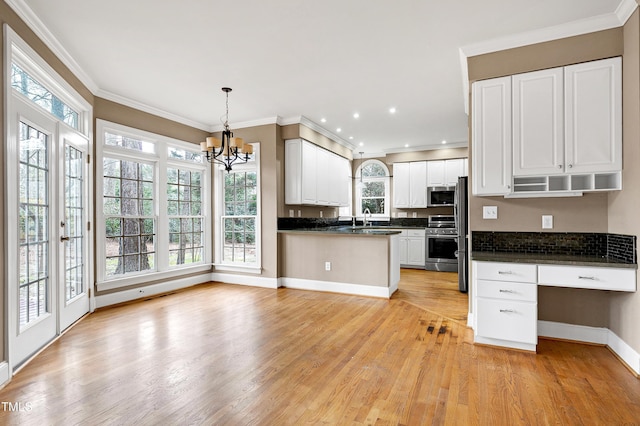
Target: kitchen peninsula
352, 260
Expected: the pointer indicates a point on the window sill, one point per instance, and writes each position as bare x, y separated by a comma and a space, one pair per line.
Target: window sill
150, 277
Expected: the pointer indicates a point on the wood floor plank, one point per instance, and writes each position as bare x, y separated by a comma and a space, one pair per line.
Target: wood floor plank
222, 354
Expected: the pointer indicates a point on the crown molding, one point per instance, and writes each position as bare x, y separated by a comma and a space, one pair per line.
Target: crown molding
583, 26
448, 145
151, 110
245, 124
37, 26
301, 119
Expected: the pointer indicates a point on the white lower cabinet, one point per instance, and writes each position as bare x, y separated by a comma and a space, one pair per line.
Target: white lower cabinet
506, 304
505, 296
412, 248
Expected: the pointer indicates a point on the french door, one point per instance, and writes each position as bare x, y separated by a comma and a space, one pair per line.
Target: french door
48, 240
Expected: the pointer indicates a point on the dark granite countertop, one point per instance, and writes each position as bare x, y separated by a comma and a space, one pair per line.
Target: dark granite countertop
550, 259
344, 230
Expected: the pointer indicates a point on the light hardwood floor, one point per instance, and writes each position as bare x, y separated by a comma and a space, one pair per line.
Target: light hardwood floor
223, 354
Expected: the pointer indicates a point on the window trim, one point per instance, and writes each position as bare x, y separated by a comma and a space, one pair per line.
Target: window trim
160, 161
219, 207
386, 178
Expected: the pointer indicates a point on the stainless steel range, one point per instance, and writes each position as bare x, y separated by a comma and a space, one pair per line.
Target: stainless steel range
441, 244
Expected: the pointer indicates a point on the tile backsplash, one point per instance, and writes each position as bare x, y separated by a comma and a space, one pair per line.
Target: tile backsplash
612, 246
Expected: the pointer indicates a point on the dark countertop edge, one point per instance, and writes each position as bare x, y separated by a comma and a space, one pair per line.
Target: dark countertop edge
327, 231
550, 259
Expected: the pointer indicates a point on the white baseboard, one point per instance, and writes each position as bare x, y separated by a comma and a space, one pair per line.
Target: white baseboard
597, 335
249, 280
4, 373
334, 287
150, 290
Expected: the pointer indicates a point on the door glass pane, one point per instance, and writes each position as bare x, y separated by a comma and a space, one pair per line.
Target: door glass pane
33, 224
74, 218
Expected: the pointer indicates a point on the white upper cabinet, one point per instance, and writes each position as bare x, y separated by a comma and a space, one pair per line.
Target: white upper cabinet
453, 169
491, 136
593, 116
418, 184
410, 185
315, 176
538, 122
435, 173
401, 184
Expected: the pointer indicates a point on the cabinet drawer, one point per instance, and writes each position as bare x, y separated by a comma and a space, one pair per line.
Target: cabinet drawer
496, 271
415, 232
525, 292
620, 279
507, 320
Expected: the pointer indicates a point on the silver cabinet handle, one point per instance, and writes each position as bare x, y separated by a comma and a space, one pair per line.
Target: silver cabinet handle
505, 272
586, 278
505, 291
507, 311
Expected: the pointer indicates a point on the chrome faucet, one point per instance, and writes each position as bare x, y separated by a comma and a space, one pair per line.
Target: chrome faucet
365, 221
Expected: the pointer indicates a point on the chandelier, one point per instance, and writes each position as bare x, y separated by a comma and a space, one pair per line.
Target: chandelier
228, 150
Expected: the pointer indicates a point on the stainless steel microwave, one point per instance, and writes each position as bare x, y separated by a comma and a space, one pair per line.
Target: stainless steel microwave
439, 196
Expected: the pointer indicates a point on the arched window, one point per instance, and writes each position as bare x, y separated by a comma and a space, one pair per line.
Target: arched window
372, 189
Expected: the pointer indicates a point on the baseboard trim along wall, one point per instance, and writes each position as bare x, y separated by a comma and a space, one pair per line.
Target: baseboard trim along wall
597, 335
335, 287
249, 280
150, 290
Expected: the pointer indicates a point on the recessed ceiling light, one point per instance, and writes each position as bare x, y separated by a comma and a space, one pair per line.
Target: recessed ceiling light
444, 141
356, 115
350, 138
361, 144
338, 130
324, 120
392, 110
406, 145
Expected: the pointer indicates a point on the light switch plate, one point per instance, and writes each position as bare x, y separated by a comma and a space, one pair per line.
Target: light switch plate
489, 212
547, 221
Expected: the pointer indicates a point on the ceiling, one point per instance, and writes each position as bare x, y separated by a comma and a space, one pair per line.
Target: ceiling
312, 59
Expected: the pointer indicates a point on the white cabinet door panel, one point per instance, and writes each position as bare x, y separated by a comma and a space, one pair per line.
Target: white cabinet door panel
593, 116
507, 320
491, 137
401, 185
538, 122
418, 184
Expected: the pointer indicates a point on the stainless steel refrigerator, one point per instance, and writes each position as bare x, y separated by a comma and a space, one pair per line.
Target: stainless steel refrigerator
461, 211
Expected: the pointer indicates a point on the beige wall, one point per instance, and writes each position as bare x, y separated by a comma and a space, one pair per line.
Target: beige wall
304, 255
624, 311
578, 214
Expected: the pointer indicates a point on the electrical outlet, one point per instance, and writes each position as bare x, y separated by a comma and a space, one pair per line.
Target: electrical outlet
327, 266
414, 215
547, 221
290, 212
320, 213
299, 213
489, 212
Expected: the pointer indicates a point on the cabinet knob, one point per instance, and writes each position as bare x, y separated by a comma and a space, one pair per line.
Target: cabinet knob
570, 165
559, 166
